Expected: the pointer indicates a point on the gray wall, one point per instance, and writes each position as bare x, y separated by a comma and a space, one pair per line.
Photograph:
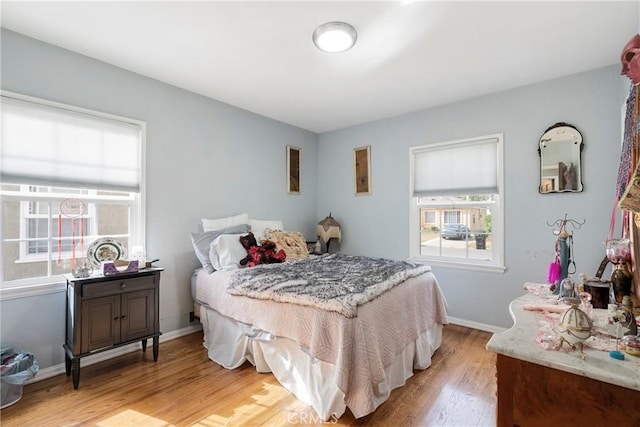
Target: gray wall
378, 225
204, 159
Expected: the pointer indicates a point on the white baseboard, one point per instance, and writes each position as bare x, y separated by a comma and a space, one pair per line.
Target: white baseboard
476, 325
52, 371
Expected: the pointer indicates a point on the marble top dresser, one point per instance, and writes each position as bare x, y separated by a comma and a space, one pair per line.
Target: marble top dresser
538, 387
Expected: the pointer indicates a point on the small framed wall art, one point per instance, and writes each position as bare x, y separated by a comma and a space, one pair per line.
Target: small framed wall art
362, 170
293, 170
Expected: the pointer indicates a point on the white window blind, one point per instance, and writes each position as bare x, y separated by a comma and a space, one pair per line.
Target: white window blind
462, 168
55, 146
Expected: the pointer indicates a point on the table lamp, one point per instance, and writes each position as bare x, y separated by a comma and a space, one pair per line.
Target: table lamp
328, 229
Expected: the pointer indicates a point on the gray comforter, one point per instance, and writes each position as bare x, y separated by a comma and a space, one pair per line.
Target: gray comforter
335, 282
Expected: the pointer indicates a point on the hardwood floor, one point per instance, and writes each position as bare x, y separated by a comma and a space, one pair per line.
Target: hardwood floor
185, 388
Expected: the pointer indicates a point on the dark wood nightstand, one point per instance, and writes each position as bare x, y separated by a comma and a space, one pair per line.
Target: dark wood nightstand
105, 312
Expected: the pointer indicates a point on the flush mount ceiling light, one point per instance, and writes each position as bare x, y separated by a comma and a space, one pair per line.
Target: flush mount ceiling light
335, 37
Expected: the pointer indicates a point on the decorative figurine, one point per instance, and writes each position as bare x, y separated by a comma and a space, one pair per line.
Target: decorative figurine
574, 328
585, 304
627, 318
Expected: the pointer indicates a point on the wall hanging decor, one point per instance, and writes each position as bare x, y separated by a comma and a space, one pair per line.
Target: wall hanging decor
293, 170
362, 170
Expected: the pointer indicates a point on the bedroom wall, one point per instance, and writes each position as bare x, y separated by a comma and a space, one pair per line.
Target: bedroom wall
204, 159
377, 225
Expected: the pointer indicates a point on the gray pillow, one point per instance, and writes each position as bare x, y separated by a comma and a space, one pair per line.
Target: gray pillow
202, 241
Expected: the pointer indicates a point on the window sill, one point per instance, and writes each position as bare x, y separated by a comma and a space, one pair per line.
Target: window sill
25, 291
460, 265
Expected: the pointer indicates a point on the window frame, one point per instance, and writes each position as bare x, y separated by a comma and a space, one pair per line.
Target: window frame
496, 263
137, 219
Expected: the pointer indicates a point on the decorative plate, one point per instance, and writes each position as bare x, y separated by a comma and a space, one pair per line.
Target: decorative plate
105, 249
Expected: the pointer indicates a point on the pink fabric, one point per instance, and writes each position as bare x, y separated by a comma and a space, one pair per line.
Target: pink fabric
551, 308
360, 347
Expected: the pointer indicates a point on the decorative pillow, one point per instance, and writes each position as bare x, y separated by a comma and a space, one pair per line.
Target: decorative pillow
292, 243
220, 223
226, 252
259, 227
202, 242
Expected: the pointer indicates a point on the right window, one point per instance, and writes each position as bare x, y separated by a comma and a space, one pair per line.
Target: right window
458, 187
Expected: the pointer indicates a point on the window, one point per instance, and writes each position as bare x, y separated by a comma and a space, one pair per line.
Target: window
451, 217
68, 176
461, 183
429, 217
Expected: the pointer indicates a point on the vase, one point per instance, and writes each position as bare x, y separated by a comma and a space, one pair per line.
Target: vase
618, 250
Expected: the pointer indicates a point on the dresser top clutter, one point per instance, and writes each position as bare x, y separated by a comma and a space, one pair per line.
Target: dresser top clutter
523, 341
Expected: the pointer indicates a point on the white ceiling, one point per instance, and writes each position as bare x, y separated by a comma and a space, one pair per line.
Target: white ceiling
409, 55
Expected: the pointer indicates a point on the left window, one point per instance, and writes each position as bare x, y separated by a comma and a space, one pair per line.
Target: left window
67, 177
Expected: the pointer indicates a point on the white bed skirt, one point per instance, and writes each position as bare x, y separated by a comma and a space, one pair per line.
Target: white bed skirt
230, 343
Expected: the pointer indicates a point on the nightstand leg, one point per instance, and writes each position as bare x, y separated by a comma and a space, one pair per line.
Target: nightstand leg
144, 345
67, 364
156, 348
75, 372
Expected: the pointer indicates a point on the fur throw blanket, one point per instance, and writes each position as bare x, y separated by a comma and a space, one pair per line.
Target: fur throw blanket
334, 282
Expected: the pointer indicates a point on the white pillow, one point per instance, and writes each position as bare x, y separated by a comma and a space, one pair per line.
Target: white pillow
259, 227
220, 223
202, 243
226, 251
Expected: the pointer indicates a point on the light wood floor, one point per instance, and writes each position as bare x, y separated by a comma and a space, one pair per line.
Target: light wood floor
185, 388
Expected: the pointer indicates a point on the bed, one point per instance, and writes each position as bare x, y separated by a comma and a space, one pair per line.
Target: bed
333, 344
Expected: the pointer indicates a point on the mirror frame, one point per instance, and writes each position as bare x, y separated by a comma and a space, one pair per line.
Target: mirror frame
561, 132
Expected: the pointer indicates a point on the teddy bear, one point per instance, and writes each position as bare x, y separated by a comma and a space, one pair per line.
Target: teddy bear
264, 254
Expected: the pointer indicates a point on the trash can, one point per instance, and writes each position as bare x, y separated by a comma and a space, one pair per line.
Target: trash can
17, 368
481, 241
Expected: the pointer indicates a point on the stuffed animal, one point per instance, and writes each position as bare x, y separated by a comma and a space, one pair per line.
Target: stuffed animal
264, 254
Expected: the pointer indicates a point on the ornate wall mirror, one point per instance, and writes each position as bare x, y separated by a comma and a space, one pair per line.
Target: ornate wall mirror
560, 150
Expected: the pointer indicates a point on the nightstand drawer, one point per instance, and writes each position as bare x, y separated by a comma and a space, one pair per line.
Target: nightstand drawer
113, 287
